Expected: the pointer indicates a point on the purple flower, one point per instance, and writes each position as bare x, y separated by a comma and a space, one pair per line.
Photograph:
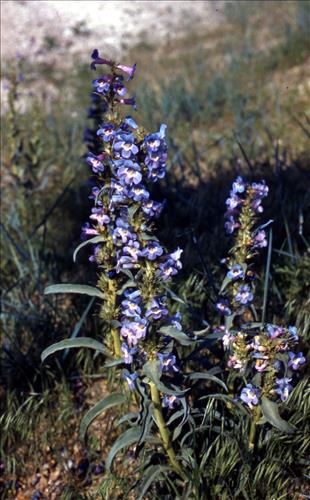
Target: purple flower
106, 132
95, 163
260, 239
129, 173
244, 295
249, 395
256, 206
260, 189
125, 262
128, 102
127, 353
222, 306
99, 60
130, 122
133, 295
152, 208
167, 362
122, 231
125, 145
170, 401
233, 202
132, 249
284, 387
235, 272
238, 185
130, 70
138, 193
130, 379
231, 224
227, 339
133, 331
296, 360
154, 141
130, 308
99, 216
102, 85
175, 257
88, 230
275, 331
167, 270
152, 250
293, 332
93, 258
156, 310
175, 321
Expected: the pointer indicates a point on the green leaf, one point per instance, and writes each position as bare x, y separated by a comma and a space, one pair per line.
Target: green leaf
152, 370
74, 343
128, 438
173, 332
271, 413
152, 473
79, 325
94, 412
94, 240
207, 376
68, 288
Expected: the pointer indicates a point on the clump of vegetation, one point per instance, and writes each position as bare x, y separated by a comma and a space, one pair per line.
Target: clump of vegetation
234, 104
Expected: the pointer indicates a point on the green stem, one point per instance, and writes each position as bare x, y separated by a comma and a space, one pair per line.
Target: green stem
117, 343
252, 434
164, 431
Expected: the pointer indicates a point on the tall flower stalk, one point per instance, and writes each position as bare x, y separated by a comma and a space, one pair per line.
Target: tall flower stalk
262, 354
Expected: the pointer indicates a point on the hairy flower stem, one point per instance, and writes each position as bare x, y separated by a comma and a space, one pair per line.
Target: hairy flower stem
252, 434
164, 432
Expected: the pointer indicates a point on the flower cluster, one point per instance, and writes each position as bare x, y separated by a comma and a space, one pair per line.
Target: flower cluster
264, 353
122, 218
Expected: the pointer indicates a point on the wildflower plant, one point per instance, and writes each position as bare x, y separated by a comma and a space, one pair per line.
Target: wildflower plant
142, 337
263, 361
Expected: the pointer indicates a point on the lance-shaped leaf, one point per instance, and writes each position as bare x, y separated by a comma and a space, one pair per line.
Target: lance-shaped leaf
271, 413
207, 376
74, 343
68, 288
95, 411
152, 473
128, 438
152, 370
96, 239
173, 332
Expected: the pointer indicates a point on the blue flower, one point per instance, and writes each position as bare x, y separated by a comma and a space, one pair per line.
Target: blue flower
260, 189
99, 216
130, 379
233, 202
238, 185
138, 193
133, 249
130, 309
87, 230
96, 164
231, 224
99, 60
170, 402
152, 208
260, 239
124, 143
249, 395
133, 331
293, 332
275, 331
122, 231
244, 295
156, 310
106, 131
283, 388
152, 250
222, 306
154, 142
296, 360
127, 353
167, 362
102, 85
129, 173
130, 70
236, 272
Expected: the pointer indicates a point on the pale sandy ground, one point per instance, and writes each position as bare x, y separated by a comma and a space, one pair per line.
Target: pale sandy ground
111, 24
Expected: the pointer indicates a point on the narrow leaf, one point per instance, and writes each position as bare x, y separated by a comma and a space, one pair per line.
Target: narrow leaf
128, 438
152, 473
68, 288
79, 325
95, 411
207, 376
96, 239
271, 414
173, 332
267, 273
74, 343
